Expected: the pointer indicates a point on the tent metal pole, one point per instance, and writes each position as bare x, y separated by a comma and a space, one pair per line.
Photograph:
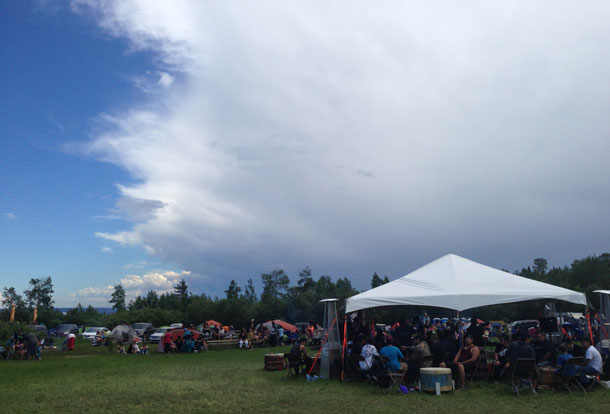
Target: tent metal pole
460, 329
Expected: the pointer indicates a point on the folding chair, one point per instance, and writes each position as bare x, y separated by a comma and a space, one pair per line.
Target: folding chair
395, 377
569, 380
293, 363
354, 369
481, 363
594, 379
523, 372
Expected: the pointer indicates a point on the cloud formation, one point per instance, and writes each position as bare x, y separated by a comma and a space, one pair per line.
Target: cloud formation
135, 285
10, 216
359, 138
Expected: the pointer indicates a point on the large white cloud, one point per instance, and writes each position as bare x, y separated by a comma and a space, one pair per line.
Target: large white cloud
355, 137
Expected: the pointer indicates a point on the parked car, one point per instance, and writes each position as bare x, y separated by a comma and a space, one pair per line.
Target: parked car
523, 326
65, 329
41, 328
156, 337
176, 325
144, 329
90, 333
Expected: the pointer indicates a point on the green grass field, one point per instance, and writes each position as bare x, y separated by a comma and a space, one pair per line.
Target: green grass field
92, 380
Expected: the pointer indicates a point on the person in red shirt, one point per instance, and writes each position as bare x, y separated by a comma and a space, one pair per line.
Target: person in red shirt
167, 342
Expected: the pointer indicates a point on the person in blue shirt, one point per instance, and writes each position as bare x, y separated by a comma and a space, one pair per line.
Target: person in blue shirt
395, 357
562, 359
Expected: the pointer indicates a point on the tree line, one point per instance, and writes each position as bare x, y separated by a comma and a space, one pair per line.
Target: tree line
280, 299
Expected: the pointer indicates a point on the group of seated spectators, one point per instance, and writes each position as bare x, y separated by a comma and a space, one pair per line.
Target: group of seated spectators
22, 346
133, 348
415, 344
185, 343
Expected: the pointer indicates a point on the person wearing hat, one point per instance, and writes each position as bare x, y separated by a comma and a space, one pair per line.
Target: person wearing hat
465, 360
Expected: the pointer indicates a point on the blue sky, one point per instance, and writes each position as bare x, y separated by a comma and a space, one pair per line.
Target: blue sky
58, 73
143, 142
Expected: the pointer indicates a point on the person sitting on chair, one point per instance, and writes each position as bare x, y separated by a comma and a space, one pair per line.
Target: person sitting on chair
368, 352
519, 349
298, 349
593, 359
466, 359
394, 356
243, 339
562, 360
420, 352
545, 351
500, 359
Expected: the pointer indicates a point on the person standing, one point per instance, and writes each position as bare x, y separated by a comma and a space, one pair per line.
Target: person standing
167, 342
273, 334
30, 341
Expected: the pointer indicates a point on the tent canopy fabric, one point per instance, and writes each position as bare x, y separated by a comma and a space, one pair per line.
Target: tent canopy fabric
287, 326
212, 322
454, 282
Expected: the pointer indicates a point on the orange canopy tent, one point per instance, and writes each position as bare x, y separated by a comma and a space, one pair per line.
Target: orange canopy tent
212, 322
287, 326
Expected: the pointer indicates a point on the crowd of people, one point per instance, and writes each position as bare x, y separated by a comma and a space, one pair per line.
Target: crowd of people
22, 346
418, 343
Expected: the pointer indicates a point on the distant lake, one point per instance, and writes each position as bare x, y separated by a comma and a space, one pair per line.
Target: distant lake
100, 310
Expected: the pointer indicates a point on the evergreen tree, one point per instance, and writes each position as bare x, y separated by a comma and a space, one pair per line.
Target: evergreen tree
250, 294
233, 291
118, 298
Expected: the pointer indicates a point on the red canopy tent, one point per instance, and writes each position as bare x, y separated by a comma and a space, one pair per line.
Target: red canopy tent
179, 333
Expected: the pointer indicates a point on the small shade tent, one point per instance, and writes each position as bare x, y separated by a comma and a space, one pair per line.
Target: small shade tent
454, 282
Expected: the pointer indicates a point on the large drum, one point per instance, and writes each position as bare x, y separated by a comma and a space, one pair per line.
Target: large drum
274, 362
430, 376
546, 376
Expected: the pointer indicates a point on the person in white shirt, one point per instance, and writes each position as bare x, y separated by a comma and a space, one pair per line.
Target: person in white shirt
368, 352
592, 355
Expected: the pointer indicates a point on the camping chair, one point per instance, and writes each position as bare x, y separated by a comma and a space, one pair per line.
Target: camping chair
395, 377
523, 371
571, 381
293, 363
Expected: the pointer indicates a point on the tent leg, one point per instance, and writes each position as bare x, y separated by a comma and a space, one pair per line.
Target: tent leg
459, 328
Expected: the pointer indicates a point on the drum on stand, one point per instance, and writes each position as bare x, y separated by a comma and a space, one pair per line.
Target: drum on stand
428, 378
274, 362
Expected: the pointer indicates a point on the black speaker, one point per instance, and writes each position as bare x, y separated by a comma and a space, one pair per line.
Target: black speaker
548, 325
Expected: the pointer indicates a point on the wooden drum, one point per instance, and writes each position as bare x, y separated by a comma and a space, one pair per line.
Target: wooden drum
430, 376
546, 376
274, 362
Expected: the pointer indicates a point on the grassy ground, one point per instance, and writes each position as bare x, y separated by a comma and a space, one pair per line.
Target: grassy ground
92, 380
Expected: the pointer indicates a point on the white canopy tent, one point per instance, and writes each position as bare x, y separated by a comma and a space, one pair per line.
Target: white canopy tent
454, 282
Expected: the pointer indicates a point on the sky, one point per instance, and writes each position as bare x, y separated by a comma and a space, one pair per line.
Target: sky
143, 142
